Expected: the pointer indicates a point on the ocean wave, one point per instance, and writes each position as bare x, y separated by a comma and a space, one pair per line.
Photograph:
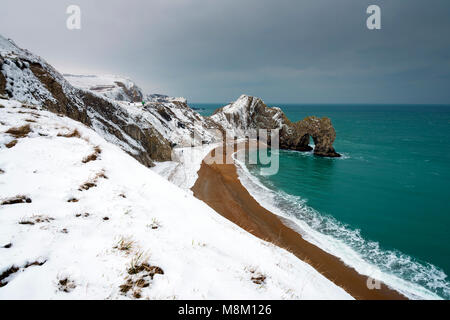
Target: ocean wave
415, 279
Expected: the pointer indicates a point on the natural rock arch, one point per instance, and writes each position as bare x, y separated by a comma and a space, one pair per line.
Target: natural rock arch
296, 136
249, 112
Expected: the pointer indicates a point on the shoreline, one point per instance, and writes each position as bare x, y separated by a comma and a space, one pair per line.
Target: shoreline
218, 185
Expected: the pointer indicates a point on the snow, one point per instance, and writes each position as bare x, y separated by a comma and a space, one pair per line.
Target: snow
236, 116
182, 170
202, 254
105, 85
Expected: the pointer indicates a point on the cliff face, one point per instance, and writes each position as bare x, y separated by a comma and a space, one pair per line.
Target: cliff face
110, 86
252, 113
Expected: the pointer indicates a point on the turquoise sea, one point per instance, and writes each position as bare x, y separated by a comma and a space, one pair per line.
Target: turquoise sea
385, 203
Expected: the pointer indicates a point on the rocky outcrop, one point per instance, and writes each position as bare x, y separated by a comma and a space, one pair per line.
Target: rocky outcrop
252, 113
110, 86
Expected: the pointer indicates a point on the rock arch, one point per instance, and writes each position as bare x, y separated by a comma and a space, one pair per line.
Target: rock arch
296, 136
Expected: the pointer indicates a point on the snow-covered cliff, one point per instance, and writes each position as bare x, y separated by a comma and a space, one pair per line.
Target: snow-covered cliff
147, 133
110, 86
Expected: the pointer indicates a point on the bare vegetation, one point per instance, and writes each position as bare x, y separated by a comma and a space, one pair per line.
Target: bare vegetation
155, 224
11, 144
66, 284
19, 132
257, 277
85, 215
15, 200
73, 134
13, 269
93, 156
93, 183
36, 219
124, 244
140, 273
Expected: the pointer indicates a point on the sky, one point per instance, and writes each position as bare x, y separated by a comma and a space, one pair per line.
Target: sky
286, 51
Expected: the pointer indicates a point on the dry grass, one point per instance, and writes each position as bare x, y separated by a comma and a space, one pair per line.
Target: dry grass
11, 144
140, 275
36, 219
155, 224
13, 269
93, 183
85, 215
93, 156
72, 200
5, 274
19, 132
66, 285
257, 277
124, 244
15, 200
73, 134
87, 186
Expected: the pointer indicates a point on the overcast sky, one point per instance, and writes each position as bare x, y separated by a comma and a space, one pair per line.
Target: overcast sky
304, 51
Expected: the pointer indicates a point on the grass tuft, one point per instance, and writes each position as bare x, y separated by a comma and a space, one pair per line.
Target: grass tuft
19, 132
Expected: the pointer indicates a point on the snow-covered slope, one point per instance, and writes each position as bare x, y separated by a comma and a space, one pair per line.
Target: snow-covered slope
81, 219
28, 78
111, 86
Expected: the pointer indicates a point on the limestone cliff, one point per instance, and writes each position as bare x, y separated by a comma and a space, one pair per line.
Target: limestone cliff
252, 113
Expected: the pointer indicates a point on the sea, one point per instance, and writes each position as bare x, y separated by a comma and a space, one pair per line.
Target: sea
384, 206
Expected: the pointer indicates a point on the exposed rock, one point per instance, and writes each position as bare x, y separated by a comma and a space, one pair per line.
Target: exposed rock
252, 113
155, 97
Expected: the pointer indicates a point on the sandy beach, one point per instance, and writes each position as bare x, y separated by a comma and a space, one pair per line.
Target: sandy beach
218, 185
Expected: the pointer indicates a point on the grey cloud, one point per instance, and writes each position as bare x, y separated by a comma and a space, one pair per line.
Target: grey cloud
284, 51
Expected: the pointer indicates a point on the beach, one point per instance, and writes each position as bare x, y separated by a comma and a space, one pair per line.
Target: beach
218, 185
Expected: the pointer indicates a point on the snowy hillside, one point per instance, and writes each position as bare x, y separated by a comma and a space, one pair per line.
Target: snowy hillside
81, 219
147, 133
110, 86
